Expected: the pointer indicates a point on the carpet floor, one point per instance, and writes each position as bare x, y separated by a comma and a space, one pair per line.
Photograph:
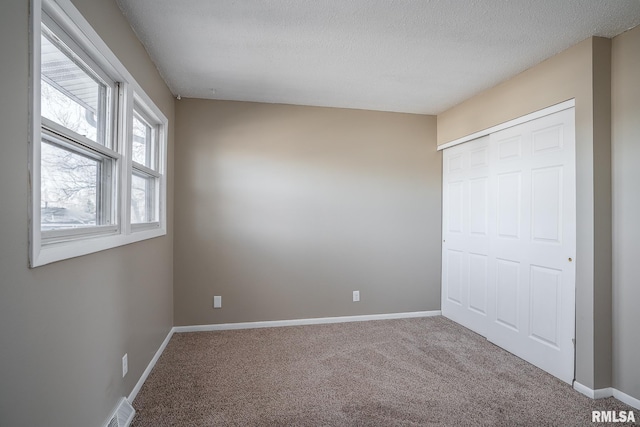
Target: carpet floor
407, 372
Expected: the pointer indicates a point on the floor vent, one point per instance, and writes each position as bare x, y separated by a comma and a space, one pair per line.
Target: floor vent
123, 415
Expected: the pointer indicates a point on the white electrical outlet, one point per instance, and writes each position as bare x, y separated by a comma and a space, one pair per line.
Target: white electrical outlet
356, 296
125, 365
217, 302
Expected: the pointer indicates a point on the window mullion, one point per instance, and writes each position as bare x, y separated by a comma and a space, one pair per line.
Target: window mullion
125, 136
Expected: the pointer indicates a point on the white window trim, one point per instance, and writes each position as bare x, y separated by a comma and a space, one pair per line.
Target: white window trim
67, 16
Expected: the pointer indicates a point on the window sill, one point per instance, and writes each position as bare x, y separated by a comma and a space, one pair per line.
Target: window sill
70, 249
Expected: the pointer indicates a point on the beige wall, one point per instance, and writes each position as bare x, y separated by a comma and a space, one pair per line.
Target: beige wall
581, 72
562, 77
626, 205
285, 210
65, 326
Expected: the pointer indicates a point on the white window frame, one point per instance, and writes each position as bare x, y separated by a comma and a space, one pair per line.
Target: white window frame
48, 247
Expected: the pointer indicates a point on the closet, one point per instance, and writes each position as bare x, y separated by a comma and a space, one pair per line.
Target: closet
509, 238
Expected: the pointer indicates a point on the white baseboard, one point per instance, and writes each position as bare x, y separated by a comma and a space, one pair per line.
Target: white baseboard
299, 322
602, 393
583, 389
599, 393
625, 398
147, 371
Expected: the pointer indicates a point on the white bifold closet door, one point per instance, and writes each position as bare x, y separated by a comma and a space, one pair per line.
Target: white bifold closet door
508, 267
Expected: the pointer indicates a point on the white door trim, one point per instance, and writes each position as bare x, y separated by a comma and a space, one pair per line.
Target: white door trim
527, 118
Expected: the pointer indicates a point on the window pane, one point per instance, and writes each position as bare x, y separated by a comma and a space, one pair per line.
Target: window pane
69, 188
70, 96
143, 142
143, 196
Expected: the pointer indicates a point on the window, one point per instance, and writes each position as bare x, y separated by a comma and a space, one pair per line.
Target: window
74, 188
97, 143
73, 94
77, 161
145, 176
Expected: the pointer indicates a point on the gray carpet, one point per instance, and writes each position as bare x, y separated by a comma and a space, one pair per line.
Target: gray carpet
409, 372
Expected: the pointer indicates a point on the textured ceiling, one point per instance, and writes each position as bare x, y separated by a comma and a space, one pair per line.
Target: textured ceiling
418, 56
